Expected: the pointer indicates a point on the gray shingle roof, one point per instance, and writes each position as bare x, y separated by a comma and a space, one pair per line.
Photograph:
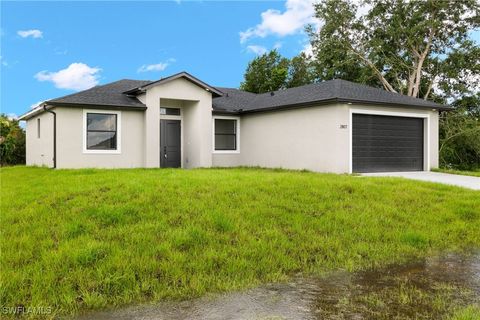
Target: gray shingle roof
238, 101
110, 94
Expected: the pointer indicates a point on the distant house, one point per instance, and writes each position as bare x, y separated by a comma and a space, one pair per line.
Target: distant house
180, 121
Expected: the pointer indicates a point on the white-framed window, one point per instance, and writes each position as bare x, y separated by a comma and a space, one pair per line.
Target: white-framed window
226, 134
101, 131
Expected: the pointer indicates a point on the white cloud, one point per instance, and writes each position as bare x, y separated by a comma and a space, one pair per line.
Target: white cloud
4, 62
258, 50
298, 13
156, 67
308, 49
34, 33
77, 76
12, 116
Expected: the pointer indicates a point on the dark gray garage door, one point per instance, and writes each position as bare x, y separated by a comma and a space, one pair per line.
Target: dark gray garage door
384, 143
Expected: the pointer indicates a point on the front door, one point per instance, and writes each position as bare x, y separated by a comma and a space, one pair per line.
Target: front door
170, 144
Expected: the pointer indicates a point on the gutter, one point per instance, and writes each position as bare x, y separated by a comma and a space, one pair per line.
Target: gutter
54, 136
97, 106
330, 101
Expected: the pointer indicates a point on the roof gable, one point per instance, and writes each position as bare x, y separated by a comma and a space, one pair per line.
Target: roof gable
184, 75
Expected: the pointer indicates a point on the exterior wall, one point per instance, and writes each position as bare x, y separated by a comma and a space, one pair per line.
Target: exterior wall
196, 124
434, 144
306, 138
142, 98
70, 133
39, 151
313, 138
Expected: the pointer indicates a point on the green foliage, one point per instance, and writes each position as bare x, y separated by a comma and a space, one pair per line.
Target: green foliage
266, 73
300, 71
270, 72
460, 139
12, 142
332, 58
85, 239
404, 46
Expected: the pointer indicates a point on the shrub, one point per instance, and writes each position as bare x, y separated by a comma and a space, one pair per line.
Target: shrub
12, 142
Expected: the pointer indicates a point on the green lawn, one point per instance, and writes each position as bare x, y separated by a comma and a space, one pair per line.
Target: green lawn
475, 173
84, 239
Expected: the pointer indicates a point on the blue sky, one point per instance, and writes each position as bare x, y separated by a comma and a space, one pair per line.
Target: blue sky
50, 49
100, 42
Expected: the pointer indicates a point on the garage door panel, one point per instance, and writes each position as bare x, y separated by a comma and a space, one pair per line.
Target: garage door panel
386, 143
406, 131
395, 140
387, 154
365, 133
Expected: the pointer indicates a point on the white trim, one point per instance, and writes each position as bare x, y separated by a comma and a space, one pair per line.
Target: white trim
393, 114
237, 150
172, 117
119, 132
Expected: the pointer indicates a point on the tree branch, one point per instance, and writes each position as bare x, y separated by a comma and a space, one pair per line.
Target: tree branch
456, 135
430, 85
382, 79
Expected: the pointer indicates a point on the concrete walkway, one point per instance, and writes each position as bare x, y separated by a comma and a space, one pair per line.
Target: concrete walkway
445, 178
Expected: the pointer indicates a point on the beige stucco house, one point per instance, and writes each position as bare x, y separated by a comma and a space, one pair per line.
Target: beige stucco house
180, 121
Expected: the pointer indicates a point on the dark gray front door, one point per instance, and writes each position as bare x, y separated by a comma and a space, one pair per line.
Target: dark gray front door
385, 143
170, 144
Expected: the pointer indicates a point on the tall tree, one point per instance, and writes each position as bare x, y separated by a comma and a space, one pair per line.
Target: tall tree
266, 73
404, 46
300, 71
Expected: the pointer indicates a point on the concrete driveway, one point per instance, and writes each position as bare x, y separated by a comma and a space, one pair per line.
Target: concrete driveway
445, 178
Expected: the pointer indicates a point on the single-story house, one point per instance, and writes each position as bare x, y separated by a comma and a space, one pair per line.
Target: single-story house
180, 121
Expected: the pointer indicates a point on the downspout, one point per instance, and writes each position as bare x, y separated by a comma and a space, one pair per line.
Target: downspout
54, 136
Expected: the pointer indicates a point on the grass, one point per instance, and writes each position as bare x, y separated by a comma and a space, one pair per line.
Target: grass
471, 312
74, 240
474, 173
406, 299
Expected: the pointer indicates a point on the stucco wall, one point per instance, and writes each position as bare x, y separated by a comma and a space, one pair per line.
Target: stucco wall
434, 144
311, 138
196, 105
40, 150
70, 141
306, 138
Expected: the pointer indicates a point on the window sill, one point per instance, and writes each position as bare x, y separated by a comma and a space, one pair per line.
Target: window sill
101, 152
226, 151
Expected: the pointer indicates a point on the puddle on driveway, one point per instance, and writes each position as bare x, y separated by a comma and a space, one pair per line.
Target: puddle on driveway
430, 289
